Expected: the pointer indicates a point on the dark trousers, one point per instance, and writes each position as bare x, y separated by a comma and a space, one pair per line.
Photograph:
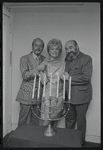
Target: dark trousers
26, 115
77, 113
34, 116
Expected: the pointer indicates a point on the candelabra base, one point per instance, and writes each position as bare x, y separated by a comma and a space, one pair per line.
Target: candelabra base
49, 131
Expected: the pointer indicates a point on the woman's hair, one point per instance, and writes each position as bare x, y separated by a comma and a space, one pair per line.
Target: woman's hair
54, 42
37, 39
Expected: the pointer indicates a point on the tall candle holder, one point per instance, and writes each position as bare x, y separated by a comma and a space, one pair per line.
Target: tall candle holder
58, 115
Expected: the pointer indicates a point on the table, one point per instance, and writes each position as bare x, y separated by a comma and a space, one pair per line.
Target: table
29, 135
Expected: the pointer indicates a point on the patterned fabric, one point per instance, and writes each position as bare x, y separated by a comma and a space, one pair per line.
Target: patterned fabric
25, 93
56, 104
27, 63
26, 89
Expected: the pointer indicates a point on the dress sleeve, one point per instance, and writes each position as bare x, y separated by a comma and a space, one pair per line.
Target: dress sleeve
63, 70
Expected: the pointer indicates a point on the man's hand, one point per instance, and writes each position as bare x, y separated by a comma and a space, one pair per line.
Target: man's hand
66, 76
42, 77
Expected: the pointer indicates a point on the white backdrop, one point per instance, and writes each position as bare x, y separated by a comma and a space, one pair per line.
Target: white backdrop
84, 27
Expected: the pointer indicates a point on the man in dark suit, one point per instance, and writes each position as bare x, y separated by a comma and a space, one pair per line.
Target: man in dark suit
79, 67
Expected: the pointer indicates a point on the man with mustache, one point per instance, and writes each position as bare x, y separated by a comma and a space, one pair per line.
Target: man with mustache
79, 67
28, 67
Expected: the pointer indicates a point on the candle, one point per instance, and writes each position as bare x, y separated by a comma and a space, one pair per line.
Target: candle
44, 85
39, 87
50, 83
34, 86
64, 88
57, 85
69, 95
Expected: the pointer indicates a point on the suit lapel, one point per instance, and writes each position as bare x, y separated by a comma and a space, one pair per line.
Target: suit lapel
41, 58
32, 61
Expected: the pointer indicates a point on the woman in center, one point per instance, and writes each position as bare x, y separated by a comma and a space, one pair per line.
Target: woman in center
52, 100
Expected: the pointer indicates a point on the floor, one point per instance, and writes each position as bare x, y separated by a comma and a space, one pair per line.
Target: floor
87, 144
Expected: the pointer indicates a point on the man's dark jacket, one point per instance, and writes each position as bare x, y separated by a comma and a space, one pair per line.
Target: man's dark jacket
80, 71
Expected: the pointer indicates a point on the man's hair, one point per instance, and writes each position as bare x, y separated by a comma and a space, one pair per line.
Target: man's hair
76, 44
54, 42
37, 39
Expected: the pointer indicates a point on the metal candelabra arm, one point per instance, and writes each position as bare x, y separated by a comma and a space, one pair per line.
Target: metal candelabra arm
63, 112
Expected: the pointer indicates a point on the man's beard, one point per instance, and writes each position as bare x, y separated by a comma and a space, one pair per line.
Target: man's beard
37, 52
71, 56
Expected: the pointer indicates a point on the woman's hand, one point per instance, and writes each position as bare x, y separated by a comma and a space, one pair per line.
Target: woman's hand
42, 77
40, 67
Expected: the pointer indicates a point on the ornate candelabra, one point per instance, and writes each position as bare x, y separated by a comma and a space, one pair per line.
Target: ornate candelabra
58, 115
